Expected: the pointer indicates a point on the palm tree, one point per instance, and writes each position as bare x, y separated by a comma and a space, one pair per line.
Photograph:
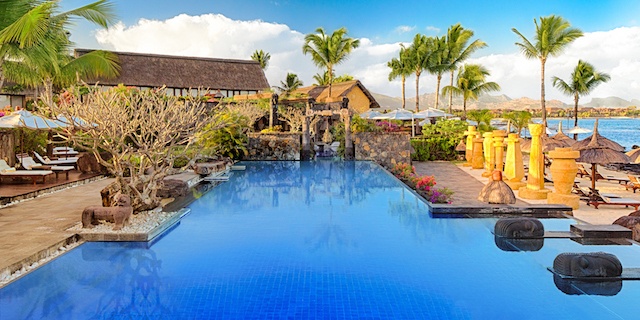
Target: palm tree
553, 34
583, 79
290, 84
400, 67
343, 78
329, 50
34, 43
483, 117
262, 58
420, 52
457, 50
322, 79
470, 84
519, 119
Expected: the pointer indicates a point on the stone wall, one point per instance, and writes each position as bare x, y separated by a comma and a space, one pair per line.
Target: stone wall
385, 148
7, 143
274, 146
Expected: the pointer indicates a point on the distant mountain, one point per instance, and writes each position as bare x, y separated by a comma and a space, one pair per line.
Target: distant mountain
496, 102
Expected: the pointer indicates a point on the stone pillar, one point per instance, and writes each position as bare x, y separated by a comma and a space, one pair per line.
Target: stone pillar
498, 148
471, 134
477, 161
563, 171
489, 155
306, 140
535, 180
514, 167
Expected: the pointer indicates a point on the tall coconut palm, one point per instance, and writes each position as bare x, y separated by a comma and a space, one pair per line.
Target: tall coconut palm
584, 78
421, 54
470, 84
290, 84
400, 67
553, 34
34, 43
329, 50
458, 50
262, 58
322, 79
439, 64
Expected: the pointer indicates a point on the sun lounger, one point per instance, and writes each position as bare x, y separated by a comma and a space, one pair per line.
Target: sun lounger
29, 164
634, 183
8, 172
60, 162
597, 199
583, 172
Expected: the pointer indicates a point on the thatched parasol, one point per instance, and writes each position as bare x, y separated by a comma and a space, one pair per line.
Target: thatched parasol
598, 151
602, 141
548, 144
563, 137
634, 155
461, 147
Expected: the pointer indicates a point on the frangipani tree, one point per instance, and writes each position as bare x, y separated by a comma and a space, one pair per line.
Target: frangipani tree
584, 78
553, 34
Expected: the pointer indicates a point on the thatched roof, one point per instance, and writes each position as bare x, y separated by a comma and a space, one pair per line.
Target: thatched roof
548, 144
600, 141
563, 137
151, 70
598, 150
338, 91
634, 155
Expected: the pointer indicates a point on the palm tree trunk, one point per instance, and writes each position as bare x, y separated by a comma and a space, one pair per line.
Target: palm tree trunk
575, 114
464, 111
451, 95
417, 92
330, 69
403, 97
542, 102
439, 77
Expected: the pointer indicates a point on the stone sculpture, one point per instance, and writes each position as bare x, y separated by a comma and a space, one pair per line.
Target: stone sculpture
519, 228
497, 191
118, 214
587, 265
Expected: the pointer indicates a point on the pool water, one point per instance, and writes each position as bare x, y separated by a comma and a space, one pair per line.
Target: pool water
314, 240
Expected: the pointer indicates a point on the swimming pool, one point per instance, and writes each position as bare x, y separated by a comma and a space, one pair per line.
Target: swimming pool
324, 239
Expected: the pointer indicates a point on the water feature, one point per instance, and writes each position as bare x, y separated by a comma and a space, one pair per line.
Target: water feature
324, 239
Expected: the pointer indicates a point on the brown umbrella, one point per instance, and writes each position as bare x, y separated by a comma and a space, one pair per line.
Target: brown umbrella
602, 141
634, 155
563, 137
548, 144
598, 152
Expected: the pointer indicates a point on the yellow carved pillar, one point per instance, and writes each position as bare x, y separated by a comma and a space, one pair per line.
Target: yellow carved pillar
535, 179
471, 134
498, 148
563, 171
514, 167
477, 161
489, 156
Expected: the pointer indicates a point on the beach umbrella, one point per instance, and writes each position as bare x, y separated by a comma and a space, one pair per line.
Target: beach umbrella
563, 137
548, 144
601, 140
634, 155
598, 152
25, 119
430, 113
578, 130
370, 114
398, 114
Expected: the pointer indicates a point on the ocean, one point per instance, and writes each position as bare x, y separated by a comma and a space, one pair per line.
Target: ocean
625, 131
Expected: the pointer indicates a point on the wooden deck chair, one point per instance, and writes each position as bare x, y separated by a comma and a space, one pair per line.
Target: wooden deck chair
582, 171
597, 199
29, 164
8, 172
634, 183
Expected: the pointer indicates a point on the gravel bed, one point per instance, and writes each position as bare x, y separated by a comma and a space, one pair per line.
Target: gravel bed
142, 222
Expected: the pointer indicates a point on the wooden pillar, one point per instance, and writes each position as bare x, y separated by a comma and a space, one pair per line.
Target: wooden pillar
346, 117
306, 139
7, 147
274, 105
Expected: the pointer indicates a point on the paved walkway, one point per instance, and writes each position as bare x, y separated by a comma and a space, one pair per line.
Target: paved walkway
29, 227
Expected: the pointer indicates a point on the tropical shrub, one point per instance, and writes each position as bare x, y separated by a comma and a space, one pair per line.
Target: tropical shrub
403, 171
225, 135
424, 185
438, 141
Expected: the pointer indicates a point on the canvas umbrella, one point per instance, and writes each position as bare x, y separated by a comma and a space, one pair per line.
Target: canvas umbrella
578, 130
602, 140
597, 152
25, 119
398, 114
370, 114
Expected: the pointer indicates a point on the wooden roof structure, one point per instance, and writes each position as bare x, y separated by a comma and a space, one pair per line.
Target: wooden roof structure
152, 70
338, 91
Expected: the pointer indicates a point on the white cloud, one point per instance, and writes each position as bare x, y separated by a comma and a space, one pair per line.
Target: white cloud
214, 35
434, 29
404, 29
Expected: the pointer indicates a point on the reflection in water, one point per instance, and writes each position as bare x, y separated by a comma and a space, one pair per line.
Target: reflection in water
578, 287
507, 244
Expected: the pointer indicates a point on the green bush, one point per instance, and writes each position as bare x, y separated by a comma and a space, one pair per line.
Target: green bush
225, 135
438, 141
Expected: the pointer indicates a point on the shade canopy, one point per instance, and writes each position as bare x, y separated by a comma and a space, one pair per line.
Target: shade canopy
548, 144
431, 113
398, 114
634, 155
604, 142
370, 114
563, 137
25, 119
578, 130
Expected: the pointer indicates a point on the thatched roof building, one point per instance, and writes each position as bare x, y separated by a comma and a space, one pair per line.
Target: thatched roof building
360, 99
229, 77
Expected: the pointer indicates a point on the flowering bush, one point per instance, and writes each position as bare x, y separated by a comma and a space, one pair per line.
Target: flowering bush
1, 114
424, 185
388, 126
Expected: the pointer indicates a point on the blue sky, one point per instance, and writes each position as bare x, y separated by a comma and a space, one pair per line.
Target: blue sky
384, 24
